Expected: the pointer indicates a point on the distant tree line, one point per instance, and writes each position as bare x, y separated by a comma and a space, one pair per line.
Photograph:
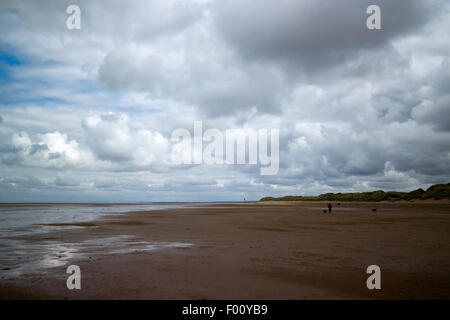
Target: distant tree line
435, 192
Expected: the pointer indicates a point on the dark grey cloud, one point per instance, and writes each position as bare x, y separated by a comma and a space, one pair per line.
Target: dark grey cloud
37, 148
65, 181
54, 155
133, 20
436, 113
312, 35
214, 87
24, 182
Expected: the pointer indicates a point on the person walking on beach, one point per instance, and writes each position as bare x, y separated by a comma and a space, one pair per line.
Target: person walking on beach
329, 207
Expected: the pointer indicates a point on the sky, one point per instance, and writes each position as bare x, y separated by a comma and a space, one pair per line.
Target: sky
86, 115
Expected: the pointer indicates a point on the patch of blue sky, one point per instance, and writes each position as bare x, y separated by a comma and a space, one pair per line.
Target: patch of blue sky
4, 74
12, 56
18, 92
7, 62
39, 101
50, 63
110, 99
87, 86
9, 59
136, 110
25, 92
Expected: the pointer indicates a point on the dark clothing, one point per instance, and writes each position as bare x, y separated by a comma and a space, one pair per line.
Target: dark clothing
329, 207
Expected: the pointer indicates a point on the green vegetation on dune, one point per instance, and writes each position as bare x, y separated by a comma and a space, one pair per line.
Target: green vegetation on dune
435, 192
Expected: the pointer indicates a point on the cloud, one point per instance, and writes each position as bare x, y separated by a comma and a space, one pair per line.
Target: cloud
51, 149
212, 81
113, 137
313, 35
87, 115
432, 112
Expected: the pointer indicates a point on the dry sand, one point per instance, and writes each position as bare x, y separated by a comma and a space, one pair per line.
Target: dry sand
260, 251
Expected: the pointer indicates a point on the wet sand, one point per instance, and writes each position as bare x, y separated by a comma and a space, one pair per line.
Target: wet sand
256, 251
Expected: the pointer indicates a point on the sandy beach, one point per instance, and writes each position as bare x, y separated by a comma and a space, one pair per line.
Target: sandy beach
253, 251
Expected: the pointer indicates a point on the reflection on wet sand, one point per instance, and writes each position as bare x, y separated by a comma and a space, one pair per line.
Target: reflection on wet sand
27, 244
21, 257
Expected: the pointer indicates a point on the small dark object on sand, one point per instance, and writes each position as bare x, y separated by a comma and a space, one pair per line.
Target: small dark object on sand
339, 203
373, 210
325, 211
